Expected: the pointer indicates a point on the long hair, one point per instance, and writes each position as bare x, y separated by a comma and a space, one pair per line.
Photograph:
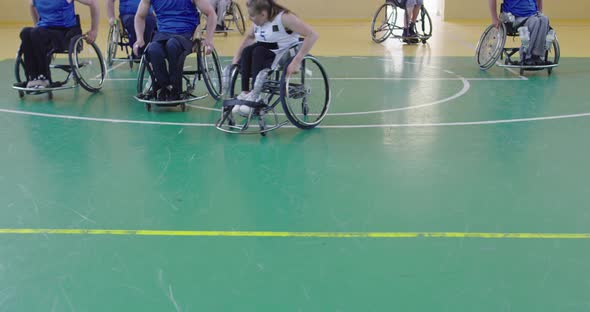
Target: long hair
270, 6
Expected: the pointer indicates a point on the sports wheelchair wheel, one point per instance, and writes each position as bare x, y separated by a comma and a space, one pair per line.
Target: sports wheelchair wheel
87, 64
113, 43
144, 79
553, 55
383, 22
19, 71
490, 46
305, 95
237, 17
425, 23
210, 68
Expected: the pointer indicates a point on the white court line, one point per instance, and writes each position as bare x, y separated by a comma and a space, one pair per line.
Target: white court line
463, 91
108, 120
462, 123
384, 79
415, 125
106, 74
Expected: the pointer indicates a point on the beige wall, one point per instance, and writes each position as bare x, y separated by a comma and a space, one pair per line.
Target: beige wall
476, 9
17, 10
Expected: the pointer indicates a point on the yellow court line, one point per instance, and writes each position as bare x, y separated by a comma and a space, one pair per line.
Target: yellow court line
382, 235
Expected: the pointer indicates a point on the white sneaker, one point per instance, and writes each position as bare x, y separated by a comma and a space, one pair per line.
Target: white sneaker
242, 110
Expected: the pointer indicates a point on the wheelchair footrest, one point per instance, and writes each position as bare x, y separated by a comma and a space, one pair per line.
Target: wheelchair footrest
185, 98
234, 102
55, 86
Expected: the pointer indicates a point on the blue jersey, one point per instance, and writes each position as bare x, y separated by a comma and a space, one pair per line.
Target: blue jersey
129, 7
176, 16
56, 13
520, 8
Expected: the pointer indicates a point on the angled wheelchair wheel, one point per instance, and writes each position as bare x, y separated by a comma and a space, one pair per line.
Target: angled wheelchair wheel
490, 46
112, 43
425, 25
383, 22
233, 88
144, 79
19, 71
553, 55
210, 68
238, 17
87, 63
305, 95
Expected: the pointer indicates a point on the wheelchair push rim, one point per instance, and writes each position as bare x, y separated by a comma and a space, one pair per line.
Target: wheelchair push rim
210, 68
383, 22
87, 63
306, 95
113, 43
490, 46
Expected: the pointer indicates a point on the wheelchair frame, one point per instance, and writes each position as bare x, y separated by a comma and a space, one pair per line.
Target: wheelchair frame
390, 28
118, 39
276, 88
495, 39
233, 15
189, 78
76, 45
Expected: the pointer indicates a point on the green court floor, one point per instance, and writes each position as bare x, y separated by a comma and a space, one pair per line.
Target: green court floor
413, 148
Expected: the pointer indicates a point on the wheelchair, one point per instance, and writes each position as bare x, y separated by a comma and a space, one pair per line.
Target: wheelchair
388, 22
207, 66
118, 39
492, 47
234, 20
305, 97
82, 62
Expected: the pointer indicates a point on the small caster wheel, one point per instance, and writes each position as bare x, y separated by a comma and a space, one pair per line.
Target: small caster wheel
183, 107
21, 94
50, 94
148, 107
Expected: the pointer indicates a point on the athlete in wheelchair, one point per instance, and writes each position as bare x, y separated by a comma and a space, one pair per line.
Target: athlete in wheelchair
417, 24
539, 48
57, 34
275, 67
229, 17
163, 71
122, 31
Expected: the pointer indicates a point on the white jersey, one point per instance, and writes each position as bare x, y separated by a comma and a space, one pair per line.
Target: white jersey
274, 32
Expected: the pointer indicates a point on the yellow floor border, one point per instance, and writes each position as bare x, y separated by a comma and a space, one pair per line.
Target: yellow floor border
382, 235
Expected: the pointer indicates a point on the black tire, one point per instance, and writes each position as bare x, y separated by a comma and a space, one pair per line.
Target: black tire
323, 98
148, 107
425, 24
384, 28
210, 67
78, 45
19, 71
235, 73
183, 107
144, 80
553, 55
